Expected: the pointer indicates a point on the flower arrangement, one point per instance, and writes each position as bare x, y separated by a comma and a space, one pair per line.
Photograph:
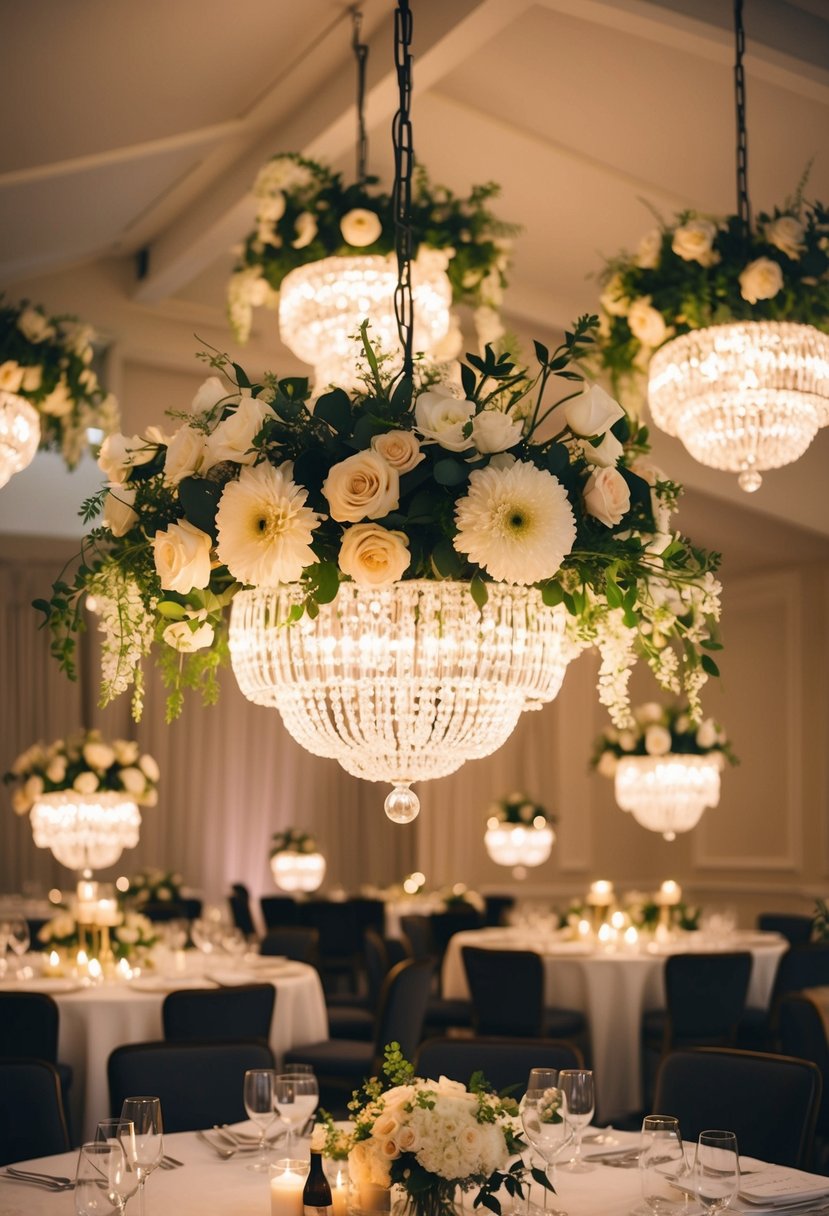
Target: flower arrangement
85, 763
292, 840
459, 897
700, 270
154, 886
656, 731
61, 932
305, 213
134, 934
431, 1137
46, 361
397, 480
521, 810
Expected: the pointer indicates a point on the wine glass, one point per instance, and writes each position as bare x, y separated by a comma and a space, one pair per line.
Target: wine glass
542, 1078
145, 1114
99, 1179
296, 1095
259, 1103
716, 1173
576, 1085
547, 1132
122, 1133
19, 937
661, 1164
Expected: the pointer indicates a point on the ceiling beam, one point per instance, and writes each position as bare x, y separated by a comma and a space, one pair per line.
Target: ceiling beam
323, 128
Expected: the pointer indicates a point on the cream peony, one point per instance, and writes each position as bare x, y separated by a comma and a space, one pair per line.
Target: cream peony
605, 454
182, 636
608, 763
126, 750
11, 376
34, 326
119, 515
399, 449
495, 431
361, 227
606, 496
121, 453
56, 770
374, 556
84, 783
657, 740
515, 522
646, 323
707, 734
264, 528
441, 417
182, 557
613, 299
787, 234
208, 395
32, 378
592, 413
305, 229
99, 755
363, 486
233, 437
59, 403
649, 249
186, 455
694, 242
149, 767
761, 280
132, 780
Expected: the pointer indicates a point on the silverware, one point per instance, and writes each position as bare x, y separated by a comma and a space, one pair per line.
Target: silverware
218, 1149
171, 1163
246, 1138
13, 1169
42, 1183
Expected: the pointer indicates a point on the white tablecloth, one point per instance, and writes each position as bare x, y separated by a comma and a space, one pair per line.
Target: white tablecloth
613, 990
96, 1020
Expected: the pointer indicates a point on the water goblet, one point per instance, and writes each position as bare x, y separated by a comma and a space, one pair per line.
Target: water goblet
661, 1164
259, 1103
576, 1085
296, 1096
100, 1180
19, 938
547, 1132
122, 1133
716, 1173
145, 1114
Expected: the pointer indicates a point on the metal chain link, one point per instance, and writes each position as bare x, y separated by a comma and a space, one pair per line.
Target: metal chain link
402, 194
361, 55
743, 205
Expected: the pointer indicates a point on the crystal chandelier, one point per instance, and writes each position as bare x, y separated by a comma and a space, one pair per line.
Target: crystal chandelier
668, 794
747, 396
85, 831
19, 434
400, 683
515, 844
294, 871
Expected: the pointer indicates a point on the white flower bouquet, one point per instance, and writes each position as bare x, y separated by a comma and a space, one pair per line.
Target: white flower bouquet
133, 934
154, 886
660, 730
46, 361
485, 480
86, 764
292, 840
518, 809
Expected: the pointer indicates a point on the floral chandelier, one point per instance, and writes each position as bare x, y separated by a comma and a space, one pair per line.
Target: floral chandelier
296, 863
730, 319
666, 769
519, 832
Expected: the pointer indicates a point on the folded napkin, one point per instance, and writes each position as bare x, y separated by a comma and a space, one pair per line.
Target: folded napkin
779, 1187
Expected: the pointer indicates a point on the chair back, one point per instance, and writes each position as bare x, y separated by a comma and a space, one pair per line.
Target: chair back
770, 1101
378, 964
295, 943
32, 1122
446, 924
802, 1033
278, 910
417, 934
402, 1007
163, 910
505, 1063
243, 1012
496, 909
340, 935
802, 967
797, 930
29, 1026
199, 1084
370, 913
239, 900
507, 991
705, 996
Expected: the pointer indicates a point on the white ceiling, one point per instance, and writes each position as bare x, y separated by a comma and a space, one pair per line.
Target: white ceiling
132, 127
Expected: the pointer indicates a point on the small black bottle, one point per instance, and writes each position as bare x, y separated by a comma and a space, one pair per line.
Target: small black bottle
316, 1196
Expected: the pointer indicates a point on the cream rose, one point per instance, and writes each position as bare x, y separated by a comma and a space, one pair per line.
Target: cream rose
651, 711
271, 209
374, 556
121, 453
208, 395
85, 783
182, 557
657, 740
649, 249
608, 763
133, 780
305, 229
99, 756
119, 515
233, 437
495, 431
56, 770
363, 486
441, 418
399, 449
126, 751
761, 280
605, 454
593, 413
32, 378
706, 734
787, 234
184, 638
613, 299
694, 241
360, 227
149, 767
11, 376
34, 326
646, 323
59, 402
186, 455
606, 496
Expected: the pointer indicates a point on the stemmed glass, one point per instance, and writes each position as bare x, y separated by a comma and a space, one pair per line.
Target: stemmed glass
100, 1180
661, 1164
576, 1085
145, 1114
19, 938
296, 1095
122, 1133
5, 934
547, 1132
716, 1172
259, 1103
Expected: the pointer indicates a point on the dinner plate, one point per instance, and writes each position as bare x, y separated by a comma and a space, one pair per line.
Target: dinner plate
49, 983
166, 983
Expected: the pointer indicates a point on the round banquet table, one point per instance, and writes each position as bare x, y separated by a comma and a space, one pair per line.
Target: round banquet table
94, 1020
613, 989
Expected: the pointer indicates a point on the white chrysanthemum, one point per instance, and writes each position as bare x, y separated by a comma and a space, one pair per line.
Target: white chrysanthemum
516, 523
264, 527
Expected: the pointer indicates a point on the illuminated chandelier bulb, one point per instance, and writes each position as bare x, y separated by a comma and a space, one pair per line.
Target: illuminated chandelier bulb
402, 805
669, 793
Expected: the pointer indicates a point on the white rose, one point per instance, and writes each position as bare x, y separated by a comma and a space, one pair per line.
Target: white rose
646, 323
362, 486
20, 803
121, 453
59, 402
649, 249
385, 1126
361, 227
707, 734
98, 755
761, 280
657, 740
682, 724
33, 788
85, 783
186, 455
305, 229
606, 496
132, 780
126, 751
651, 711
11, 376
34, 326
210, 392
592, 413
119, 515
56, 771
374, 556
786, 234
127, 935
495, 431
400, 449
271, 209
605, 454
182, 557
149, 798
233, 437
607, 765
408, 1140
182, 637
32, 378
441, 418
149, 767
613, 299
694, 241
627, 741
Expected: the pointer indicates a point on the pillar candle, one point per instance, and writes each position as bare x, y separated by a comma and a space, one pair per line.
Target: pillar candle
287, 1184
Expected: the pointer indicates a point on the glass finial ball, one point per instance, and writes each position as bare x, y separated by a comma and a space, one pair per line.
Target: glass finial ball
749, 480
402, 804
669, 835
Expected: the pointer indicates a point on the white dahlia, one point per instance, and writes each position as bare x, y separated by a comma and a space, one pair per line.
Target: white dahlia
264, 527
516, 523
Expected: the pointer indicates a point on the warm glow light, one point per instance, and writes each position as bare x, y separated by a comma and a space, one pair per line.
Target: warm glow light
513, 844
670, 892
668, 794
600, 894
743, 397
298, 871
19, 435
122, 883
85, 831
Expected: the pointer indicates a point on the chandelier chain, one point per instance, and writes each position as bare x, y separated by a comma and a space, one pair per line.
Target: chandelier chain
361, 55
402, 195
743, 205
